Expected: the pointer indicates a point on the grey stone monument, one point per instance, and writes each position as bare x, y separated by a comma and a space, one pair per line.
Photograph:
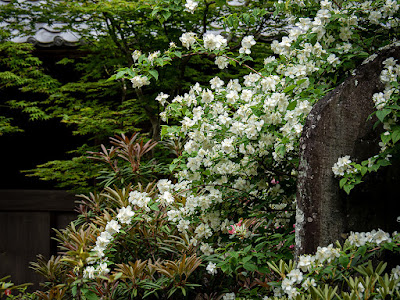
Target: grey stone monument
338, 125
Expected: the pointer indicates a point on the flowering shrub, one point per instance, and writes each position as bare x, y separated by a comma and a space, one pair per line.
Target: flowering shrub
238, 134
336, 272
230, 208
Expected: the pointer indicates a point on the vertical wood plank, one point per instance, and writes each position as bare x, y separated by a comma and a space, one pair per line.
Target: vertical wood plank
23, 236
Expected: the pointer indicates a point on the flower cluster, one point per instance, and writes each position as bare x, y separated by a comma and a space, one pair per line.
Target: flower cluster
211, 268
389, 75
214, 42
247, 43
137, 200
374, 237
139, 81
301, 278
343, 166
91, 272
188, 39
190, 6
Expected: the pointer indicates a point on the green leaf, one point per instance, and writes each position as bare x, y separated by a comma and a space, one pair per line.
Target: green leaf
154, 73
120, 74
292, 105
246, 19
172, 167
154, 206
246, 259
250, 267
342, 182
344, 261
74, 290
362, 250
256, 111
388, 246
247, 249
383, 162
347, 188
396, 136
166, 14
90, 295
364, 170
385, 138
289, 88
381, 114
220, 2
154, 12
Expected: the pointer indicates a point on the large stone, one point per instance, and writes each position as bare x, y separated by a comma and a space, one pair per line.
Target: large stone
338, 125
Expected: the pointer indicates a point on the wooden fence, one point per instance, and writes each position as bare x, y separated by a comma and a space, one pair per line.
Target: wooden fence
26, 221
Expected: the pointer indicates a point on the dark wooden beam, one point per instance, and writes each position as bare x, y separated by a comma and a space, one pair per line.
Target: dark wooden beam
36, 200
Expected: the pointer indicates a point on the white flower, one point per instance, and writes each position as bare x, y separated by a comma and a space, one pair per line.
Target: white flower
153, 56
216, 83
135, 55
190, 6
103, 239
308, 283
343, 166
358, 239
305, 262
295, 275
125, 215
292, 292
139, 199
212, 269
381, 236
345, 33
173, 215
389, 62
206, 249
203, 230
374, 16
188, 39
287, 284
99, 251
326, 254
139, 81
229, 296
227, 145
234, 85
162, 98
360, 288
247, 43
396, 272
221, 62
333, 60
167, 197
214, 42
183, 225
102, 269
269, 60
113, 227
89, 272
164, 185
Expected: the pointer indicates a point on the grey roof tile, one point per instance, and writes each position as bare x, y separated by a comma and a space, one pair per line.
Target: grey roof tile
47, 36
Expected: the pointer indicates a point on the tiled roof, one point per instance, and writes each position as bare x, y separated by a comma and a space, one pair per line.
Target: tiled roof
45, 35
